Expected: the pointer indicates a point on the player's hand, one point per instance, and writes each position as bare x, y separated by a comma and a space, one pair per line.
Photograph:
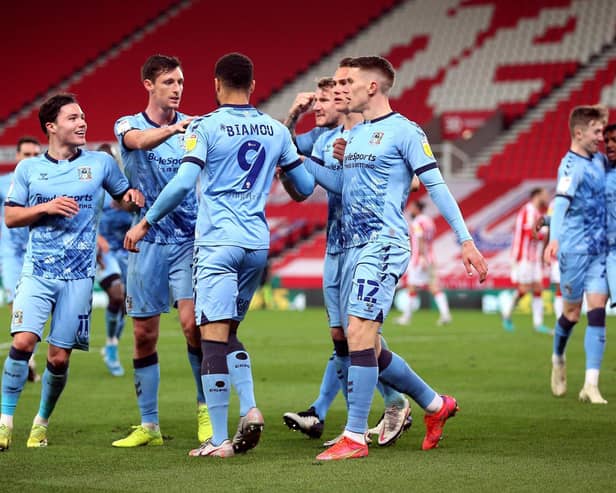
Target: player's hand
181, 126
133, 200
550, 252
339, 147
62, 206
303, 103
473, 259
135, 234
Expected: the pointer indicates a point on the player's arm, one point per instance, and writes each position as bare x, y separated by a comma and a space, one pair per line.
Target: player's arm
303, 103
169, 198
135, 139
561, 205
130, 201
329, 179
16, 216
432, 179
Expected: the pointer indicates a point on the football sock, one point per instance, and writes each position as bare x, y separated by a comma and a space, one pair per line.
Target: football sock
435, 405
14, 376
397, 373
594, 339
443, 306
508, 309
216, 385
147, 379
363, 376
240, 373
53, 383
407, 311
330, 385
537, 308
113, 316
558, 305
195, 356
562, 332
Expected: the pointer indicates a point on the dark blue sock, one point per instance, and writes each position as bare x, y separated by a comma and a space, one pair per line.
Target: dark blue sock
53, 383
195, 356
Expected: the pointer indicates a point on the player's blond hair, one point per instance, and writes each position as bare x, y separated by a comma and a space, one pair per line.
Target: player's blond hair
582, 116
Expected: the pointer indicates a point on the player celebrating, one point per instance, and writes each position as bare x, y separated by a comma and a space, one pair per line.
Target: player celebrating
304, 103
13, 241
233, 151
59, 196
422, 269
578, 237
151, 145
527, 271
379, 161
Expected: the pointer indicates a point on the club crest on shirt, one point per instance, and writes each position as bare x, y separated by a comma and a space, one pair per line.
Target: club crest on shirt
190, 142
43, 176
18, 317
85, 173
129, 303
376, 138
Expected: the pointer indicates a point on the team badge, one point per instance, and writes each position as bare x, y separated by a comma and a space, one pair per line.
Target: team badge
129, 303
85, 173
426, 147
190, 142
376, 138
18, 317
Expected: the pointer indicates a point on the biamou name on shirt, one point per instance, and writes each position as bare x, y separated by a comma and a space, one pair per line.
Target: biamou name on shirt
252, 129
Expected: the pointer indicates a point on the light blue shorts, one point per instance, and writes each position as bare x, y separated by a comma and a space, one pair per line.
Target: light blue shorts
112, 267
332, 272
158, 276
369, 277
581, 273
69, 302
11, 270
226, 278
610, 267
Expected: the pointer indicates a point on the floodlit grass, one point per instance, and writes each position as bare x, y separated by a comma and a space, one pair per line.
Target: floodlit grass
511, 434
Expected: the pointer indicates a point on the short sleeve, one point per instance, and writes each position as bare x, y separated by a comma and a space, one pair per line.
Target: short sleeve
115, 182
318, 150
196, 143
122, 126
19, 190
416, 150
569, 180
289, 158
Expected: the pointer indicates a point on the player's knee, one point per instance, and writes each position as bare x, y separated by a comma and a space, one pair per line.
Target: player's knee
145, 337
25, 341
596, 317
58, 363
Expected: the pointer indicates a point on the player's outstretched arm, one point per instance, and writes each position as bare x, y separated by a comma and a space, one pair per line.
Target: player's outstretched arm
16, 216
149, 138
329, 179
168, 199
298, 182
448, 207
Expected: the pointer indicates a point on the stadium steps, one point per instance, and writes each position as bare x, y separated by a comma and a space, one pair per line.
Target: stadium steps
119, 44
537, 113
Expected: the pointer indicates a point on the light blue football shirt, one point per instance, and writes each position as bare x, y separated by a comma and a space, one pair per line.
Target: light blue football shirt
380, 159
305, 141
114, 224
61, 247
581, 180
323, 153
13, 241
150, 170
237, 148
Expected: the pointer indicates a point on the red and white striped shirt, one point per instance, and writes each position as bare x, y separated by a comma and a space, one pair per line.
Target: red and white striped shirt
525, 247
423, 227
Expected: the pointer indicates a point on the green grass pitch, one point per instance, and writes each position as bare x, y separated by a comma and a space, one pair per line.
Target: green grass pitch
511, 434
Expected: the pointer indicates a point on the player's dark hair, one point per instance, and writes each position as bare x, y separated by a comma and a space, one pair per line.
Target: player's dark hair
346, 62
27, 139
581, 116
326, 83
378, 64
48, 112
158, 64
609, 128
536, 191
235, 71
